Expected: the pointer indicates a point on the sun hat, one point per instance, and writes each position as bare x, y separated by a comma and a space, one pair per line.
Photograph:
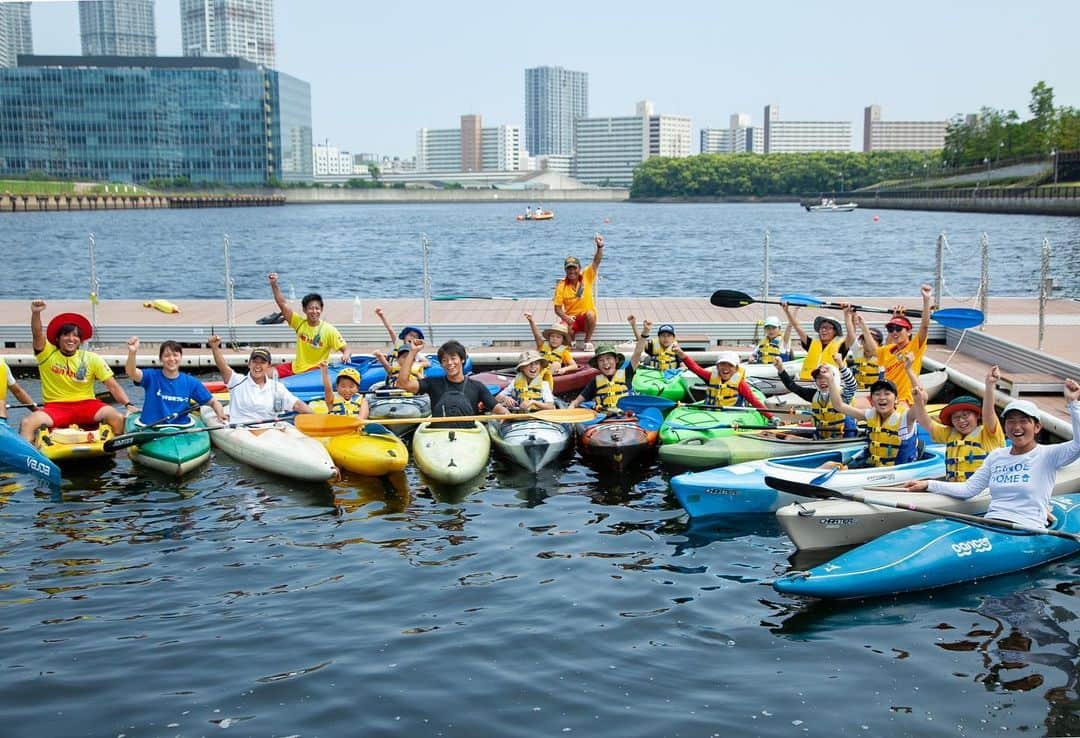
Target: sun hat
559, 328
835, 324
528, 357
772, 322
606, 349
899, 320
85, 329
260, 353
883, 384
419, 333
666, 328
963, 402
727, 357
1027, 407
571, 261
350, 373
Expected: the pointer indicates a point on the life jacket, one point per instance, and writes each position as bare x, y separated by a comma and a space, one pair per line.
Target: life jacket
609, 391
817, 355
963, 454
719, 393
885, 447
3, 382
395, 369
830, 423
453, 403
769, 350
347, 407
553, 356
866, 370
526, 390
662, 358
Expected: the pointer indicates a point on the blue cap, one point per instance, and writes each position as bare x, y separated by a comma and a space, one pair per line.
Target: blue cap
666, 328
412, 328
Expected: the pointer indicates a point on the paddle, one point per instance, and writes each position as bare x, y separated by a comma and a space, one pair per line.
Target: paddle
638, 403
1005, 526
958, 318
329, 425
736, 427
137, 438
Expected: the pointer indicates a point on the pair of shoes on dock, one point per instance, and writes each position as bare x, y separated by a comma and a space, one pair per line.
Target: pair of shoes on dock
271, 319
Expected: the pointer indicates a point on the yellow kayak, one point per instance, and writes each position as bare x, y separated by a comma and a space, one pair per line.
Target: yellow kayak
73, 443
371, 453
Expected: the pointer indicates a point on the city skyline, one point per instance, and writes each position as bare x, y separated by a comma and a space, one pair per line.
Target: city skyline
930, 62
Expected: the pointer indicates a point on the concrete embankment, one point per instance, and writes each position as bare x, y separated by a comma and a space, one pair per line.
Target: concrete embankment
973, 203
23, 203
320, 196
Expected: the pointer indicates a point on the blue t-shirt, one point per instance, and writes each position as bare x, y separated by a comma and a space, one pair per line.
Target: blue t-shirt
165, 396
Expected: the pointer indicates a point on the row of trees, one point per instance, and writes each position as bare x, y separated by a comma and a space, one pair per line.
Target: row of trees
991, 135
745, 175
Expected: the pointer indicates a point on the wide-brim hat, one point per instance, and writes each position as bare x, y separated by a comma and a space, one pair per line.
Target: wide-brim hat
608, 349
350, 373
86, 331
559, 328
823, 319
528, 357
419, 333
963, 402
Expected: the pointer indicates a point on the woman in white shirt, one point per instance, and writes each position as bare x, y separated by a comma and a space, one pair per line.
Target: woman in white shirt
256, 395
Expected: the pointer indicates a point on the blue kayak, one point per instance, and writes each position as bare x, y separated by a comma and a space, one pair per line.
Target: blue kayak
933, 554
18, 455
741, 488
308, 385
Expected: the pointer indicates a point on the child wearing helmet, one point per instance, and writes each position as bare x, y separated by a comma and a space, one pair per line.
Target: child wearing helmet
345, 397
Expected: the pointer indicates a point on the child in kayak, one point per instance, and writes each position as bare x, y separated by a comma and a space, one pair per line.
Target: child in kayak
392, 365
552, 345
892, 435
662, 350
828, 422
529, 391
772, 346
615, 378
970, 431
406, 336
168, 392
726, 384
861, 359
315, 337
8, 384
1021, 477
345, 397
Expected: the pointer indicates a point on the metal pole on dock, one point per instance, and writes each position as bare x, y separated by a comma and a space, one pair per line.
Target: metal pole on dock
984, 280
425, 247
94, 285
1046, 286
230, 288
939, 269
765, 275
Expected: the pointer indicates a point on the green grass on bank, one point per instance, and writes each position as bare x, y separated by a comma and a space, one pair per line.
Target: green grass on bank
45, 187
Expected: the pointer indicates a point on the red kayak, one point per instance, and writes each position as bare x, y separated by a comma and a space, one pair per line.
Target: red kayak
565, 384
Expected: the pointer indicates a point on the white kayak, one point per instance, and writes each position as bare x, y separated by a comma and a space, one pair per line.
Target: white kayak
277, 447
817, 524
532, 444
932, 382
451, 455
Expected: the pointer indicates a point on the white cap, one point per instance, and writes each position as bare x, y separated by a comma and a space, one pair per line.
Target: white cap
1027, 407
772, 322
727, 357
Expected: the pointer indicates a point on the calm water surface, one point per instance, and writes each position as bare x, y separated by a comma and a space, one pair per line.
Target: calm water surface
374, 250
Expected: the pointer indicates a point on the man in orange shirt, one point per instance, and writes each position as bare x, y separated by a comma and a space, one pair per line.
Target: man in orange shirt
899, 341
574, 302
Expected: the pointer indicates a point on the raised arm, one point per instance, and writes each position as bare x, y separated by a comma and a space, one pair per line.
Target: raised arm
870, 346
633, 327
279, 298
639, 345
129, 366
806, 393
36, 331
386, 324
328, 391
837, 401
381, 358
989, 406
598, 255
924, 323
405, 379
214, 342
849, 325
792, 313
537, 335
848, 385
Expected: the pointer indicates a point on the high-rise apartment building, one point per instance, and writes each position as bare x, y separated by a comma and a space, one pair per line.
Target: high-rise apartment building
798, 136
738, 137
16, 35
606, 150
117, 27
472, 143
440, 150
901, 135
554, 99
243, 28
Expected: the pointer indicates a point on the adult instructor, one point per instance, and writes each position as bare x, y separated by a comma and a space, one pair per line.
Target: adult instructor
451, 395
574, 301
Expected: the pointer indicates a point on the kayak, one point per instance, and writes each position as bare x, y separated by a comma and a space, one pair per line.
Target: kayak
699, 421
565, 384
762, 377
932, 382
743, 446
937, 553
18, 455
396, 404
278, 448
821, 524
171, 454
620, 439
451, 455
371, 451
532, 444
741, 488
64, 445
309, 385
659, 383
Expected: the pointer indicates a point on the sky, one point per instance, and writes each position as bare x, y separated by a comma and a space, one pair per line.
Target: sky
381, 70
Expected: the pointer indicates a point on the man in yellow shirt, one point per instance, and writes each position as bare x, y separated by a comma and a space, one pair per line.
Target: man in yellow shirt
899, 342
315, 337
574, 301
68, 373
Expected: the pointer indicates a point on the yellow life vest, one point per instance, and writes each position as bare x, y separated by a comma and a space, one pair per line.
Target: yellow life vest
884, 436
963, 454
526, 391
555, 361
866, 370
395, 369
769, 350
608, 391
662, 358
724, 394
3, 382
346, 407
816, 355
828, 422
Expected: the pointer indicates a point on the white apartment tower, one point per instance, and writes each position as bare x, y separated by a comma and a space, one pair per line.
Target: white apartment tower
738, 137
608, 149
16, 35
901, 135
243, 28
438, 150
554, 99
117, 28
798, 136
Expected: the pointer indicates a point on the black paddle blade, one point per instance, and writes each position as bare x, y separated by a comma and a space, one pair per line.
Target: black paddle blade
731, 299
800, 488
121, 442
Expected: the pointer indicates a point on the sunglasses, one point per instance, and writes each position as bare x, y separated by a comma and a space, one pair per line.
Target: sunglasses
895, 328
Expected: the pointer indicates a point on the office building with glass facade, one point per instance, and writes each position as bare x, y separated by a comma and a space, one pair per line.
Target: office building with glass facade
136, 119
117, 28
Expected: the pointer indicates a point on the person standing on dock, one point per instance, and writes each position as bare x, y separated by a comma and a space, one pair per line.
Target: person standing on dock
574, 301
899, 342
68, 373
315, 337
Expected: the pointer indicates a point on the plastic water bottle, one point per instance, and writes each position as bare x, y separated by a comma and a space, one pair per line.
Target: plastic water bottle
357, 310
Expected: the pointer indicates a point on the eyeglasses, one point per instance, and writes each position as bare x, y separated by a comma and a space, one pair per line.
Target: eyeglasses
894, 328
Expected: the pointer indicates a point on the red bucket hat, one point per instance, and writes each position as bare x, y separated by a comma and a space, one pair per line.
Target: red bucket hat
86, 331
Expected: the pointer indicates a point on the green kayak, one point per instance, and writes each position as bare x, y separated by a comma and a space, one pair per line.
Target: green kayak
171, 454
698, 421
738, 448
657, 383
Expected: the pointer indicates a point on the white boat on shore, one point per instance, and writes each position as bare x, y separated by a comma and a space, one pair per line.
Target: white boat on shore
828, 205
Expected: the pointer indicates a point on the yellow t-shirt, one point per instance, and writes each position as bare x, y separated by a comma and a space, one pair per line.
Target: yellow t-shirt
313, 342
578, 299
70, 378
989, 441
893, 366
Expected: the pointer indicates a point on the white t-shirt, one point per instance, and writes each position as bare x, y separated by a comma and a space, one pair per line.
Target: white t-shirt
249, 402
1020, 484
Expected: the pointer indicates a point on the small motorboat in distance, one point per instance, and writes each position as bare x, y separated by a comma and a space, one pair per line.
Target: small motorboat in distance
828, 205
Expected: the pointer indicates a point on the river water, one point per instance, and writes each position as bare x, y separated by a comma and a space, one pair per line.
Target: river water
576, 603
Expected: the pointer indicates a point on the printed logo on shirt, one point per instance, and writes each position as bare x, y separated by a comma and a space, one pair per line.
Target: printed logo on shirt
1011, 472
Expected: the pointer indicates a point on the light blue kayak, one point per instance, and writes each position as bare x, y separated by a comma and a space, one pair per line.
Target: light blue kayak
937, 553
20, 456
309, 386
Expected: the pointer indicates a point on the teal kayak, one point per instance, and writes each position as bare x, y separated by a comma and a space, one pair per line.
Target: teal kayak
701, 422
171, 454
657, 383
18, 455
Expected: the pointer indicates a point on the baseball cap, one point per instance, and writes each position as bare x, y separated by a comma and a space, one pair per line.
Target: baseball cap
727, 357
1027, 407
772, 322
260, 353
899, 320
883, 384
666, 328
571, 261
